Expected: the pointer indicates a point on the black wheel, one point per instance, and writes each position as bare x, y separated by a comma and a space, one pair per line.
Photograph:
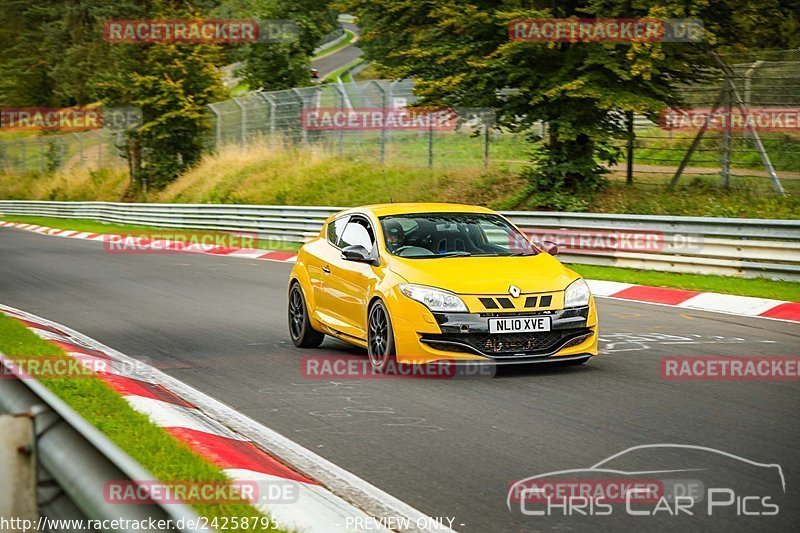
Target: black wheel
303, 335
380, 338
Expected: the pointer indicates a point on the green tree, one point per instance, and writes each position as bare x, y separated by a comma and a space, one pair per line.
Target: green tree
172, 84
277, 66
459, 53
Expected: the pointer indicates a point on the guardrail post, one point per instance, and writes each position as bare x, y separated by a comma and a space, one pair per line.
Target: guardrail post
18, 492
218, 126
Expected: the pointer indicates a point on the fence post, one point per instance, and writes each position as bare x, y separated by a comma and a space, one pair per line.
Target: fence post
243, 111
725, 148
747, 82
267, 98
303, 132
80, 149
340, 93
383, 123
776, 182
430, 144
41, 155
390, 98
99, 149
218, 127
631, 136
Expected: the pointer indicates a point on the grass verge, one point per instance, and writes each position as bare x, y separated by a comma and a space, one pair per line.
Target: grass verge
333, 76
267, 173
166, 458
758, 287
93, 226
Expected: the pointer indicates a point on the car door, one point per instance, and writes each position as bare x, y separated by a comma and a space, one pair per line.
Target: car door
325, 252
350, 281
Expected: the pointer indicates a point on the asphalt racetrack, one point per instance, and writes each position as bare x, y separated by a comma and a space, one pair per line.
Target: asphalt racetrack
450, 448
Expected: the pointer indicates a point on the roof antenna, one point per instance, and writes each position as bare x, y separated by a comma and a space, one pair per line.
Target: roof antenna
386, 182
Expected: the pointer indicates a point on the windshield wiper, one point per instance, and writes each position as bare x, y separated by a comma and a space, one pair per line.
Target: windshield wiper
454, 254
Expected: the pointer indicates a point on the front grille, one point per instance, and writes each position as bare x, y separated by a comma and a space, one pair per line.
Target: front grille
531, 302
507, 344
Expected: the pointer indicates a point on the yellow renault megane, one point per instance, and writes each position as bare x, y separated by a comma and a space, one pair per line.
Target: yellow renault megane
418, 283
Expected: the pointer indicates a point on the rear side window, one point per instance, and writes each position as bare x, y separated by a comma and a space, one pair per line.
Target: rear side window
335, 229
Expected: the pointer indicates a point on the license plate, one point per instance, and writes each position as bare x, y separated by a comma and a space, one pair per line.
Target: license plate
521, 324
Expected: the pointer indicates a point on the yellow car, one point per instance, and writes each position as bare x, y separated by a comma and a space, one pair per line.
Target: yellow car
418, 283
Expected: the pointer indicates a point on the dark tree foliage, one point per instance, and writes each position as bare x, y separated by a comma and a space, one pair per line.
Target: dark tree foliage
460, 53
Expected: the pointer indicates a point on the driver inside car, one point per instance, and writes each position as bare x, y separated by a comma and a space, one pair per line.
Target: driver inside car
394, 235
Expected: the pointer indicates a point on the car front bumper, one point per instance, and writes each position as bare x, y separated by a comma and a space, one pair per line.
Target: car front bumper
466, 337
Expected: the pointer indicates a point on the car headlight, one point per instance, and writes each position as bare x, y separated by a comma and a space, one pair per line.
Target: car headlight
577, 294
434, 299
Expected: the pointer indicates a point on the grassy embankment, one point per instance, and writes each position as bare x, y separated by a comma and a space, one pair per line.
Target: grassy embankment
166, 458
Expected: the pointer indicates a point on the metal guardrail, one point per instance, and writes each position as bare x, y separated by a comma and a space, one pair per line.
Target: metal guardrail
727, 246
75, 461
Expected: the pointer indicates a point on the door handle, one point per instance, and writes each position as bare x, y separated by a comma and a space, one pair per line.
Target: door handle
326, 269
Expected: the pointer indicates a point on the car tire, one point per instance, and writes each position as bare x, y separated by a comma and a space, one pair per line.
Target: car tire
380, 338
300, 330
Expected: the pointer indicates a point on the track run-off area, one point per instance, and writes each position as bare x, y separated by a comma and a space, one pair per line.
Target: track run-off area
450, 448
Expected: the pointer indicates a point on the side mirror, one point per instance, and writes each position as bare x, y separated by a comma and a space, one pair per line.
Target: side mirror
549, 247
357, 253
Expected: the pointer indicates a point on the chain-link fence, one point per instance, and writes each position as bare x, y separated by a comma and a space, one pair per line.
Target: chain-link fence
759, 159
763, 158
277, 119
49, 153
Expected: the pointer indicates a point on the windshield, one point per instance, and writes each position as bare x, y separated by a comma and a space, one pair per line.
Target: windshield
429, 235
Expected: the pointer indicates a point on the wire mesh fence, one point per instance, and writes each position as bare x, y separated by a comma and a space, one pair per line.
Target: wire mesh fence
277, 119
763, 158
49, 153
758, 159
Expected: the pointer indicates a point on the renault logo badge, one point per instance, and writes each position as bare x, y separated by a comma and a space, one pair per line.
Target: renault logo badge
514, 291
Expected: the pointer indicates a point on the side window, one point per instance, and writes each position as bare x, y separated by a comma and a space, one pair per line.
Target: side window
358, 232
335, 229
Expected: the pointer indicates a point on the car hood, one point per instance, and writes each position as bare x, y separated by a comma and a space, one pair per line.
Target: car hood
486, 275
